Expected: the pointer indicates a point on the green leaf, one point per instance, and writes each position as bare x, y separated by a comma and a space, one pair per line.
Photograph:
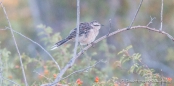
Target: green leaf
48, 30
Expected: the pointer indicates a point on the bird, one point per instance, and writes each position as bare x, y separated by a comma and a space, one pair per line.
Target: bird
88, 31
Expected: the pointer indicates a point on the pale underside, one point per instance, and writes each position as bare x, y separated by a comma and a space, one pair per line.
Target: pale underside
84, 40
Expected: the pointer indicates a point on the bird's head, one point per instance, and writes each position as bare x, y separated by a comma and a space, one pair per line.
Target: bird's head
96, 25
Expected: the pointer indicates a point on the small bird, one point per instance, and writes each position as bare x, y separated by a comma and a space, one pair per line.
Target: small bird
88, 31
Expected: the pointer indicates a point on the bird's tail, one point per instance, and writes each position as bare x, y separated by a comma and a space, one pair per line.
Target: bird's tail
60, 43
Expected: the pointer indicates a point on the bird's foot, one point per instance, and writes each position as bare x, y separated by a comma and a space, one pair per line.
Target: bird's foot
82, 49
92, 43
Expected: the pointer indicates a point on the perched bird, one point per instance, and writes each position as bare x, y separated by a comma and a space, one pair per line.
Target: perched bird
88, 31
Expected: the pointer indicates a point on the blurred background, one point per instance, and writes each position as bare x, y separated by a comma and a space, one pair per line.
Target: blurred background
157, 51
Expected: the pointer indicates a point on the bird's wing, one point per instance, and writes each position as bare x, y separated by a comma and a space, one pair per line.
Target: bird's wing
84, 28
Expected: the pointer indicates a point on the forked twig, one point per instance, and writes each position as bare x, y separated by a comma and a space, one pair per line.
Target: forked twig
151, 19
84, 69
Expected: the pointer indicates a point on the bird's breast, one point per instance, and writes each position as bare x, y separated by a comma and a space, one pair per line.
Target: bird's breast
88, 38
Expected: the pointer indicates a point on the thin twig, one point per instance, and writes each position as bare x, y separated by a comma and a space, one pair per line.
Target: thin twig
9, 81
48, 84
109, 26
23, 72
135, 15
84, 69
58, 78
43, 76
151, 19
77, 32
161, 15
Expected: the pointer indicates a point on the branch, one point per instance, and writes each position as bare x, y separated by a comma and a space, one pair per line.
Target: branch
71, 62
77, 32
151, 19
81, 70
39, 46
135, 15
161, 15
58, 78
9, 24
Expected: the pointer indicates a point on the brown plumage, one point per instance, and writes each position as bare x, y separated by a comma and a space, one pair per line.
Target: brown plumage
87, 34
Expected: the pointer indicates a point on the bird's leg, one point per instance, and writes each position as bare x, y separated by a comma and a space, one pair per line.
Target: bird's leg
92, 43
81, 49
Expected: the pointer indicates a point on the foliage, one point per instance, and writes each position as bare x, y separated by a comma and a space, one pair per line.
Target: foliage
43, 70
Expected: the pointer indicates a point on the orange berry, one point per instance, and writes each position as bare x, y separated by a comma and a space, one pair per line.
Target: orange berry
79, 82
96, 79
54, 75
17, 66
46, 72
169, 79
40, 76
116, 84
10, 76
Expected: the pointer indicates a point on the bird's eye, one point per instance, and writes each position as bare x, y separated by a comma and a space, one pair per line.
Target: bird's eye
96, 25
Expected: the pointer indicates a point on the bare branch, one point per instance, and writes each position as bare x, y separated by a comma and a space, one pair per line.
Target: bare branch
58, 78
161, 15
48, 84
151, 20
23, 72
135, 27
84, 69
69, 64
77, 26
135, 15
